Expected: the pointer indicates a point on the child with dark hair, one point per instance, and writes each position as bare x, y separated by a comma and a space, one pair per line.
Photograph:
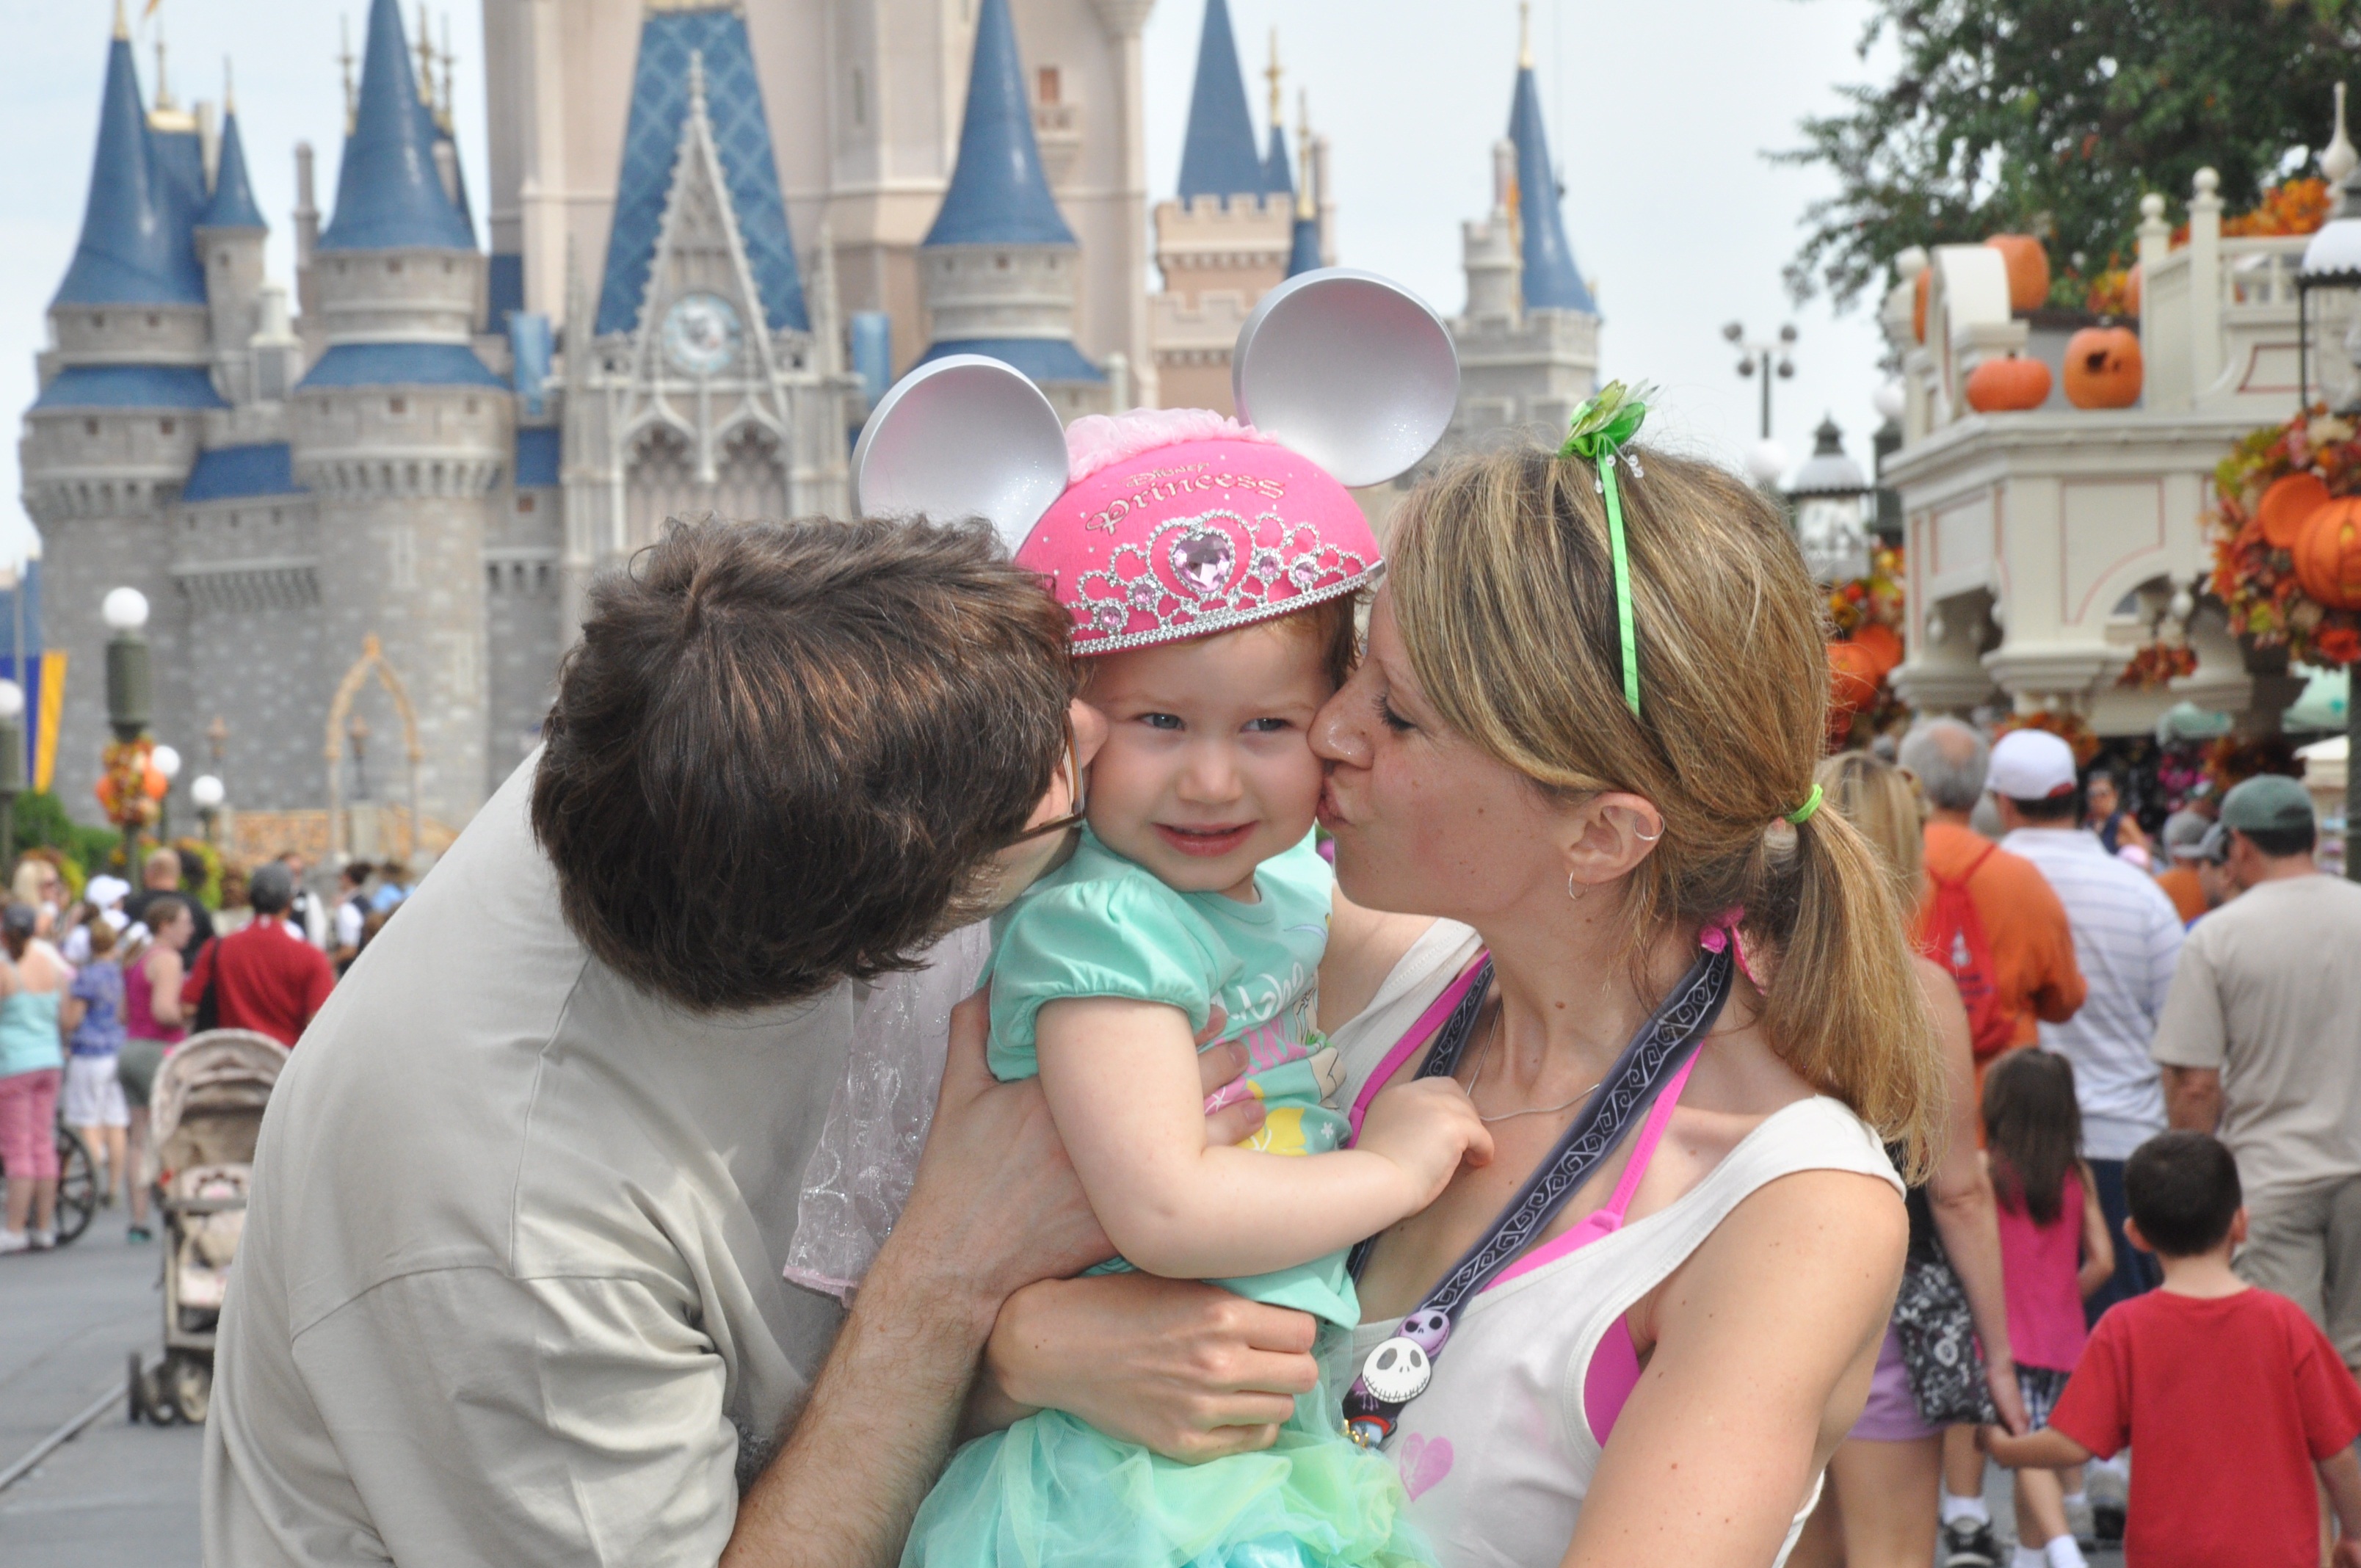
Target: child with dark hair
2204, 1369
2054, 1252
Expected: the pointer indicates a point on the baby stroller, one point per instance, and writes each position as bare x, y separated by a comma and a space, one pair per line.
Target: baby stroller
206, 1109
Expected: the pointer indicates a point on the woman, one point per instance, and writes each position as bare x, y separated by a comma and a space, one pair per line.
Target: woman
1664, 1372
153, 1023
31, 1063
1880, 1508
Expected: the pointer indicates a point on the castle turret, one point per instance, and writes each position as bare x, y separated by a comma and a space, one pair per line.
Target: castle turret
1217, 154
230, 236
124, 385
999, 267
1529, 338
400, 432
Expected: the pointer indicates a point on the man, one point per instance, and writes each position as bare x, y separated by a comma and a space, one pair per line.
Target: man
2126, 937
352, 912
305, 915
509, 1290
160, 872
2032, 945
265, 978
392, 887
2258, 1039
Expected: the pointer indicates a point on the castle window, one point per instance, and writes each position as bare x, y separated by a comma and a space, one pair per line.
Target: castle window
471, 405
221, 260
448, 265
1000, 262
527, 503
275, 516
97, 322
167, 426
233, 520
397, 406
859, 97
153, 319
393, 265
90, 427
1049, 84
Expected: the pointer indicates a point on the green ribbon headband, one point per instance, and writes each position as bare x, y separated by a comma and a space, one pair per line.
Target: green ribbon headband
1602, 427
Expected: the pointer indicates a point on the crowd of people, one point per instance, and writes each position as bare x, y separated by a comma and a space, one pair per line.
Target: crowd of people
96, 990
2151, 1218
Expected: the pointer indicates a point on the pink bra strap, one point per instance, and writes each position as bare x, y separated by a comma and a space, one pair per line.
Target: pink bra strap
1416, 1036
1643, 1148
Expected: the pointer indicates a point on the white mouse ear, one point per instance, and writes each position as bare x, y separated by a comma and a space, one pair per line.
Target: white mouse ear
1349, 369
961, 436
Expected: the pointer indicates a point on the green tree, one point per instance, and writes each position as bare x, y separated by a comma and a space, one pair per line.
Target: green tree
2054, 116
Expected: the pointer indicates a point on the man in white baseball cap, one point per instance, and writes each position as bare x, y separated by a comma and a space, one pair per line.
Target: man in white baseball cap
2126, 940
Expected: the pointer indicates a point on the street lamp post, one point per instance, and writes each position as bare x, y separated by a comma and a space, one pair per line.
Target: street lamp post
12, 765
166, 761
129, 690
1829, 494
207, 794
2331, 261
1767, 459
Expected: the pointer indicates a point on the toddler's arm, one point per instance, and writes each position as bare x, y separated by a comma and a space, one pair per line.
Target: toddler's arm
2097, 1247
1122, 1083
2047, 1449
2341, 1474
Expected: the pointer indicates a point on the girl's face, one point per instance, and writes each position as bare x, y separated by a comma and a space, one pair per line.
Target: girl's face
1425, 823
1207, 770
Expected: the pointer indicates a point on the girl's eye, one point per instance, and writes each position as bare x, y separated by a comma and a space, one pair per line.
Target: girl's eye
1265, 726
1162, 720
1393, 721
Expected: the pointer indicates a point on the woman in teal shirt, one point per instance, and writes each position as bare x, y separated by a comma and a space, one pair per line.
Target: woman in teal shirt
32, 1060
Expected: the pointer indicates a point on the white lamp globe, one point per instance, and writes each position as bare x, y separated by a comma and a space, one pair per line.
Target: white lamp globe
207, 791
1765, 461
124, 609
1889, 400
167, 761
12, 699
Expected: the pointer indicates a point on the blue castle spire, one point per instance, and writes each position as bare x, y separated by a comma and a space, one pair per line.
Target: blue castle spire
998, 193
1218, 157
1304, 255
742, 138
390, 194
134, 251
232, 205
1551, 279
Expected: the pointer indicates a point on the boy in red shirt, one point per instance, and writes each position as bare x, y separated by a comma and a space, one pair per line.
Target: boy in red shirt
2233, 1397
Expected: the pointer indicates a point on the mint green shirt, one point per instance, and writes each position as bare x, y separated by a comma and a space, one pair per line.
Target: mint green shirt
1103, 926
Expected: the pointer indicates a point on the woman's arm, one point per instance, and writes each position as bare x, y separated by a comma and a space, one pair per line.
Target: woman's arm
164, 988
1122, 1081
69, 1014
1960, 1195
2097, 1247
1763, 1345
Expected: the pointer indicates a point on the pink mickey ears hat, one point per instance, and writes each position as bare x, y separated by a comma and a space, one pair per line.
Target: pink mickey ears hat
1158, 526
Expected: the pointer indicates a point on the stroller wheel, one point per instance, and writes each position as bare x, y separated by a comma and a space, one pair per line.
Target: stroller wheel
156, 1393
193, 1391
136, 1391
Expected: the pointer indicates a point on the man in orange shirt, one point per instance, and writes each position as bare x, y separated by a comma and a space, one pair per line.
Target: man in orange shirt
2032, 946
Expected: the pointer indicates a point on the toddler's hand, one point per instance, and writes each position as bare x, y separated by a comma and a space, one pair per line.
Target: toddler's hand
1426, 1128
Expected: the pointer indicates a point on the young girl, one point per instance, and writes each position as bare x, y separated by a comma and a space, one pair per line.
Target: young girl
1210, 574
2054, 1253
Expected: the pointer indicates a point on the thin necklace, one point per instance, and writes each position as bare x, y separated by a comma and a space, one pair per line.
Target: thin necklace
1478, 1077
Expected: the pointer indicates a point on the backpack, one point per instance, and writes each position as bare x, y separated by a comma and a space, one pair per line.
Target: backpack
1955, 939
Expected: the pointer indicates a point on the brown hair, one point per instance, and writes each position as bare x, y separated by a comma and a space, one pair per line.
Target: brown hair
1333, 626
1504, 592
784, 753
1884, 806
2033, 1131
102, 937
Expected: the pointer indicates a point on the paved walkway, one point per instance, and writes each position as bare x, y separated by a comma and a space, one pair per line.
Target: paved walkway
118, 1495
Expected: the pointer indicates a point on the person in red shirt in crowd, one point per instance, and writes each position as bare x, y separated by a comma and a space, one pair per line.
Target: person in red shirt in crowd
265, 978
2233, 1398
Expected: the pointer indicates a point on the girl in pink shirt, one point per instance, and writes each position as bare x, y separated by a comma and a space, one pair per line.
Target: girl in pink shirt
2054, 1251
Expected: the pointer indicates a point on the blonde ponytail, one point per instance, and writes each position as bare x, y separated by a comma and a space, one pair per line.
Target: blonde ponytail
1503, 592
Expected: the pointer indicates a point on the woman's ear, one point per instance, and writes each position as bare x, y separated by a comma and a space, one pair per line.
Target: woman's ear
1608, 835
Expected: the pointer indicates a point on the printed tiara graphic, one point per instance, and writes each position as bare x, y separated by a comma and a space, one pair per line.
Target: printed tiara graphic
1203, 573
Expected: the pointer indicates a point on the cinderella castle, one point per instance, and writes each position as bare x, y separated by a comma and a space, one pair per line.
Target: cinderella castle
365, 511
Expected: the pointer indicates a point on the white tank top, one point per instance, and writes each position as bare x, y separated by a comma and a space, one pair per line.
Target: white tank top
1498, 1453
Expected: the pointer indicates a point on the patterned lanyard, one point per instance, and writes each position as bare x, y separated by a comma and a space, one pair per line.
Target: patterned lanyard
1400, 1370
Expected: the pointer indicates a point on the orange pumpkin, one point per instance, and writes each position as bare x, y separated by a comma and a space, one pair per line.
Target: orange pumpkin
1999, 386
2287, 506
2028, 269
104, 790
1921, 289
1853, 677
2328, 554
2102, 367
153, 784
1883, 643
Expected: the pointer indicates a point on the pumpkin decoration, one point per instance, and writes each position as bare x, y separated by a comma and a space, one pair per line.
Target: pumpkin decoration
2328, 555
2287, 506
2102, 367
1922, 289
2000, 385
1885, 646
2029, 270
1853, 677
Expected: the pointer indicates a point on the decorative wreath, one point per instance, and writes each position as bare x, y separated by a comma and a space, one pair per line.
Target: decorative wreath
2275, 492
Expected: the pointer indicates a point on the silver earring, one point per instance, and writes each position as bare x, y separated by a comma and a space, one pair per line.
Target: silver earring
1569, 886
1648, 837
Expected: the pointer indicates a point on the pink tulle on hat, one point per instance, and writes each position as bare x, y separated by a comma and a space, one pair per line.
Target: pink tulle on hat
1180, 522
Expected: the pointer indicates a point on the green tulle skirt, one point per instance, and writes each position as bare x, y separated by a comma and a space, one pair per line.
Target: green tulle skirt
1052, 1492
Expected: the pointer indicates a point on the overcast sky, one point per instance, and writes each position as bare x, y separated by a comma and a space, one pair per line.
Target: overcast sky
1658, 114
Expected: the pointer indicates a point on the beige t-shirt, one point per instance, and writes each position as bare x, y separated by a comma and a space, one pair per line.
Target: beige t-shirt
510, 1289
2268, 992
